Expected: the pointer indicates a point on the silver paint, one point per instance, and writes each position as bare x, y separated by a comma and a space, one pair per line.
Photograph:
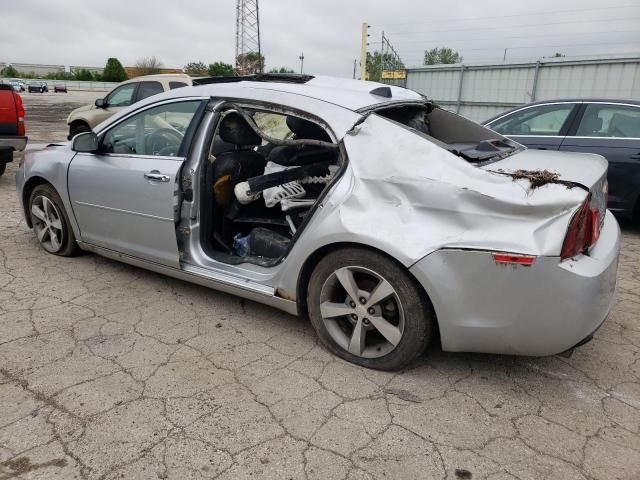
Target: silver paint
399, 193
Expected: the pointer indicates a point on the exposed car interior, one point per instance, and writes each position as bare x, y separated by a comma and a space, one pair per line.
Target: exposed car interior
264, 174
460, 136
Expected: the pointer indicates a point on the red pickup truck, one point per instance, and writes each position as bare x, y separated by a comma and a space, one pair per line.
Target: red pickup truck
12, 137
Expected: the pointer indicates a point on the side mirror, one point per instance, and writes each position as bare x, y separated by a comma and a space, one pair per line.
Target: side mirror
86, 142
100, 103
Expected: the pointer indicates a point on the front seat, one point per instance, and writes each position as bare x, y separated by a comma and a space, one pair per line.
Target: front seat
302, 155
238, 164
591, 126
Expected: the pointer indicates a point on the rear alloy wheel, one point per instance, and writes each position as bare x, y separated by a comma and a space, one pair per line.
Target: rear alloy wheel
50, 222
369, 310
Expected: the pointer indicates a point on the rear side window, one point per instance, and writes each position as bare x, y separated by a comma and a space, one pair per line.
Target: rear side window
147, 89
173, 85
541, 120
605, 120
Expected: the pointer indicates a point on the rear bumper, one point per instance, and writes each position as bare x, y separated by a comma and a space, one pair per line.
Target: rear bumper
544, 309
13, 143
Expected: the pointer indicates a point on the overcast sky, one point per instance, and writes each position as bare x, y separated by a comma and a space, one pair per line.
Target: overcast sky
87, 32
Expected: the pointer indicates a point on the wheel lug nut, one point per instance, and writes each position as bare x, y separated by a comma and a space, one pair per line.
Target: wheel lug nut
363, 300
371, 311
353, 304
354, 316
366, 321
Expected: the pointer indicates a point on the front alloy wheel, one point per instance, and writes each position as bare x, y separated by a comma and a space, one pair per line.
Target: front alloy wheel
50, 222
47, 224
367, 309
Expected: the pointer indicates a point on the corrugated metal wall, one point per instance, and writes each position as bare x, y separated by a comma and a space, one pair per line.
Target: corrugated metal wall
482, 91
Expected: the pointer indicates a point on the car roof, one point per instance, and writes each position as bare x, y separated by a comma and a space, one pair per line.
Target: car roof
353, 95
158, 76
563, 100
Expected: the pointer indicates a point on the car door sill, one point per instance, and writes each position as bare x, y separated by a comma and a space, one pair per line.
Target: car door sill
200, 276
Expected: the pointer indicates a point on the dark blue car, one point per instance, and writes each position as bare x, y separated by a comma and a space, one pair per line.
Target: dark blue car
610, 128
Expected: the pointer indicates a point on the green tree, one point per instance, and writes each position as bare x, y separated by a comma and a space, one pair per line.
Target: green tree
196, 68
558, 55
221, 69
250, 63
114, 71
9, 71
375, 66
83, 75
282, 70
438, 56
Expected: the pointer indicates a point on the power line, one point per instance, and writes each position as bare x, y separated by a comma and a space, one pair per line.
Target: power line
548, 46
509, 16
512, 38
581, 22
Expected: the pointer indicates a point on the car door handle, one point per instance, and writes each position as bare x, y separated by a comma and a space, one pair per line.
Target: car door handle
157, 176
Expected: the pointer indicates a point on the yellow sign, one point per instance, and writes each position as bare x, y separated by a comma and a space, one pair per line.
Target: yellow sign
394, 74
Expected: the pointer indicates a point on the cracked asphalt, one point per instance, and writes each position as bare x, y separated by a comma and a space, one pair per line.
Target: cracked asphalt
112, 372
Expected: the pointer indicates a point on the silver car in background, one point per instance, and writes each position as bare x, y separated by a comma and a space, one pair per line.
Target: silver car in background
386, 220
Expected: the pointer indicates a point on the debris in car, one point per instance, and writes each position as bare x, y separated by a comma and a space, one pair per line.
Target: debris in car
538, 178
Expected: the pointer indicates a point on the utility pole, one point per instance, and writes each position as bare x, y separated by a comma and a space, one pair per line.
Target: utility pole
355, 67
382, 56
301, 58
363, 51
247, 37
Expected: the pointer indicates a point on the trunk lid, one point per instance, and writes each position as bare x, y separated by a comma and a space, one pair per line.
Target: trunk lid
587, 170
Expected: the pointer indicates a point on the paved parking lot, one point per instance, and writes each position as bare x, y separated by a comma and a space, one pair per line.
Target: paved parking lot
108, 372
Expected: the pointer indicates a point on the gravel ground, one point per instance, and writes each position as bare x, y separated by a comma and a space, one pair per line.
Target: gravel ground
108, 371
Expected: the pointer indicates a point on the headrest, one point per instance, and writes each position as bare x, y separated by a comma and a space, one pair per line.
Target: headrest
235, 129
622, 125
591, 125
304, 129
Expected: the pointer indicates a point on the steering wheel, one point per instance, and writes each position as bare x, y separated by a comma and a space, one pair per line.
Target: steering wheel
164, 141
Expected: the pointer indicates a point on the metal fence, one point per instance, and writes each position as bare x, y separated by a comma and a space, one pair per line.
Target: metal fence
72, 84
481, 91
78, 85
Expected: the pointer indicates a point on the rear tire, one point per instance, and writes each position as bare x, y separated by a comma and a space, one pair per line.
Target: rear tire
51, 223
389, 324
6, 156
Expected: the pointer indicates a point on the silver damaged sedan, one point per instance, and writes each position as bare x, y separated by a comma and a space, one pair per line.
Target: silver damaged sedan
386, 220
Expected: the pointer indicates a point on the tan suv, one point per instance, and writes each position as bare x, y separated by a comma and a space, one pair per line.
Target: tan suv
83, 119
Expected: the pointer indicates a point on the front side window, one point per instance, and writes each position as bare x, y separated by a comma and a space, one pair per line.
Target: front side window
605, 120
541, 120
157, 131
121, 96
147, 89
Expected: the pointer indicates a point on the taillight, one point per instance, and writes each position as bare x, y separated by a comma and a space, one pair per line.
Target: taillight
584, 230
20, 112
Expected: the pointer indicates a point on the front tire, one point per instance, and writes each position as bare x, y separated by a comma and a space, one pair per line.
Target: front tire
51, 223
77, 128
368, 310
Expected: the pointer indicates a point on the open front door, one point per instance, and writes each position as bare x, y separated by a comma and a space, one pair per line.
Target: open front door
124, 196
